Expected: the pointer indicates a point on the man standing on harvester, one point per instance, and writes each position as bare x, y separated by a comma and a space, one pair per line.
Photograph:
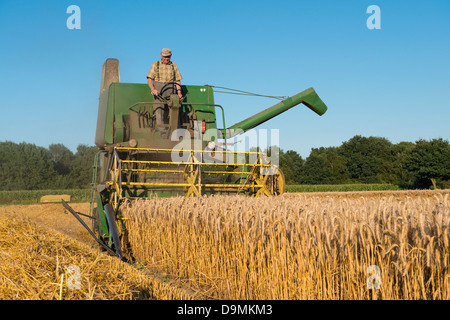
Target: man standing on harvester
164, 80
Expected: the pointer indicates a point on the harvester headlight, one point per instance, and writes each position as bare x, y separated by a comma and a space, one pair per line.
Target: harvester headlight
133, 143
211, 145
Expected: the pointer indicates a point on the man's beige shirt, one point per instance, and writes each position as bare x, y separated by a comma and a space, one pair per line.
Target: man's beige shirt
167, 72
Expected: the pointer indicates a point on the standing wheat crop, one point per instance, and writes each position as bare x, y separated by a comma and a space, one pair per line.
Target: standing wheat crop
296, 247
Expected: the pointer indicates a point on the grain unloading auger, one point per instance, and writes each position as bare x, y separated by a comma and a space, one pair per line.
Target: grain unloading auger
139, 158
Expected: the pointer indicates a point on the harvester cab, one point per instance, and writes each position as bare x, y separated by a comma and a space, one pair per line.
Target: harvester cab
187, 155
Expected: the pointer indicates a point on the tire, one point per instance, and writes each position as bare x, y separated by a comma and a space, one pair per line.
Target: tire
279, 183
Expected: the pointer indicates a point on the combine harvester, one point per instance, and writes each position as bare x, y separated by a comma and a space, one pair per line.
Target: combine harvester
139, 159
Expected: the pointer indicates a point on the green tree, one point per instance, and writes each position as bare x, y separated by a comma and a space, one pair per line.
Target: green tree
291, 163
315, 170
430, 160
25, 166
325, 166
368, 160
337, 165
61, 157
81, 166
402, 176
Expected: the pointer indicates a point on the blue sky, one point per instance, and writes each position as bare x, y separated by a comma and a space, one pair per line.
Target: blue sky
393, 82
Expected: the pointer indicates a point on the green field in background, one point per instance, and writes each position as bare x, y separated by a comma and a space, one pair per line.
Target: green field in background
341, 187
33, 196
83, 195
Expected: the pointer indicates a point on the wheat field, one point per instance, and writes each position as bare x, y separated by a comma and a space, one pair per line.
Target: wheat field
334, 245
366, 245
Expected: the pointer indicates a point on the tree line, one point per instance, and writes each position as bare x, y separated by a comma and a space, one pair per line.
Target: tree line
25, 166
423, 164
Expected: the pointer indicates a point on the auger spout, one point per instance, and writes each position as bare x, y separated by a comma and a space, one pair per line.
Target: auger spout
308, 97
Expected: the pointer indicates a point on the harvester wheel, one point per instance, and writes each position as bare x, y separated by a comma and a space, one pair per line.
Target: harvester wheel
113, 228
274, 184
279, 185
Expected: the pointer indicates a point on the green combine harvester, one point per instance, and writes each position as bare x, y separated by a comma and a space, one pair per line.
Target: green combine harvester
187, 155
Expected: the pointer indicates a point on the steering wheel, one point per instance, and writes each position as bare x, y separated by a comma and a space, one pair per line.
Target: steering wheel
167, 87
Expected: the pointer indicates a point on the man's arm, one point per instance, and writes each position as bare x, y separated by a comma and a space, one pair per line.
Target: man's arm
152, 87
150, 77
178, 79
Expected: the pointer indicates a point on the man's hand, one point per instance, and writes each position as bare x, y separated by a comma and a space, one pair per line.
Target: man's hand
178, 86
152, 88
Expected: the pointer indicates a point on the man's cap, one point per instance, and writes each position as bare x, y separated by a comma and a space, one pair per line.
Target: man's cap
166, 52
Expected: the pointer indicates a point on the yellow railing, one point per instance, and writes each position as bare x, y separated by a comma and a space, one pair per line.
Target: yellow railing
256, 182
